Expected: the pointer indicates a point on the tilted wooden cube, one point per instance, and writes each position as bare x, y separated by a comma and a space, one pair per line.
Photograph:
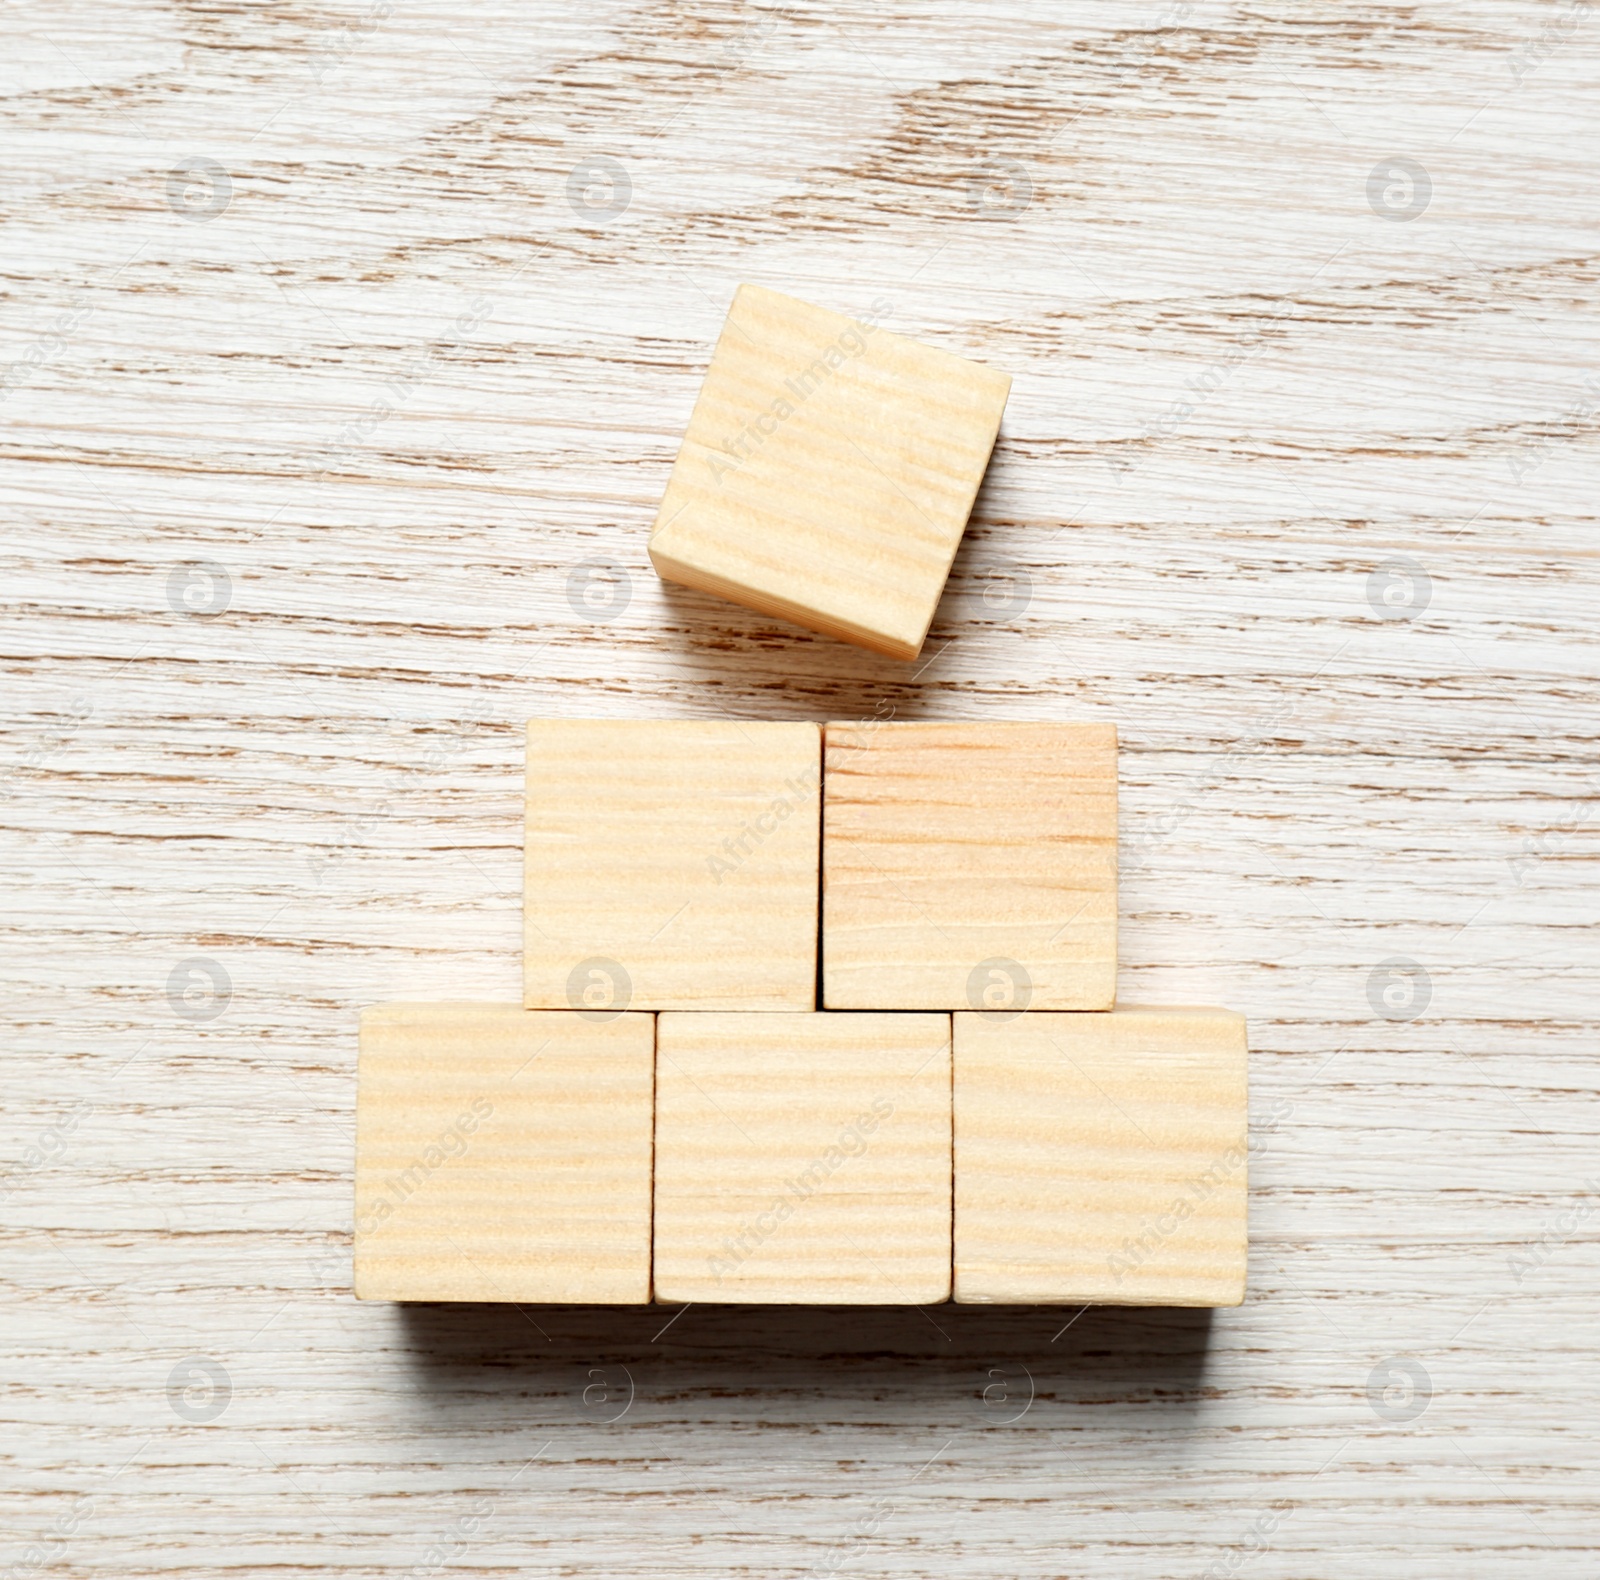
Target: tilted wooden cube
828, 471
969, 866
671, 864
803, 1158
503, 1155
1101, 1158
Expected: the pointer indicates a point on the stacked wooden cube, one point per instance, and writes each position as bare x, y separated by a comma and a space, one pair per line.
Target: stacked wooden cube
671, 1115
812, 1013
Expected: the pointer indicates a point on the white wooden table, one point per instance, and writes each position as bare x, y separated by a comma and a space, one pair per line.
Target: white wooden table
327, 385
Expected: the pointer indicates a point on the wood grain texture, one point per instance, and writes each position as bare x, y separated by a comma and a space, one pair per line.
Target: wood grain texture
286, 570
803, 1159
969, 866
828, 471
1101, 1158
503, 1154
671, 864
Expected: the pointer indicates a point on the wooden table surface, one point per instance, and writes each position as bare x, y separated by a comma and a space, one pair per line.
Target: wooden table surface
346, 350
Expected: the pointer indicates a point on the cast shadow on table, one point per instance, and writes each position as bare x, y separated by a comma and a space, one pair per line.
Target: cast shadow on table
1153, 1353
757, 665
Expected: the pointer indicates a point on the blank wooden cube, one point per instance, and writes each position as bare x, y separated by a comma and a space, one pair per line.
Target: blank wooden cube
1101, 1158
828, 471
503, 1155
803, 1158
970, 866
671, 864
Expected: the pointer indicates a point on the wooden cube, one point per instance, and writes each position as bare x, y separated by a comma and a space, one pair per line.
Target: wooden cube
671, 864
503, 1155
803, 1158
1101, 1158
970, 866
828, 471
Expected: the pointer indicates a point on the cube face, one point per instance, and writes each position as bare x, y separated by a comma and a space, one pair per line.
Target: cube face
828, 472
503, 1155
970, 866
803, 1158
1101, 1158
671, 864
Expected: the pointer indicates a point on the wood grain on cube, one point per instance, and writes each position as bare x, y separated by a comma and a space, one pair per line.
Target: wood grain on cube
970, 866
803, 1158
828, 471
671, 864
503, 1154
1101, 1158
